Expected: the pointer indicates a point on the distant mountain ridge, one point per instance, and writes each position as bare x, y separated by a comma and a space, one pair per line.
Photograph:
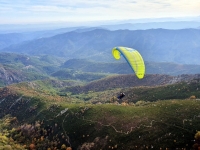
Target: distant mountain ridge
123, 67
16, 37
158, 45
142, 23
155, 25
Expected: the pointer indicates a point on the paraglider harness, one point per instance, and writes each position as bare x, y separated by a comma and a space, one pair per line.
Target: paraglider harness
121, 96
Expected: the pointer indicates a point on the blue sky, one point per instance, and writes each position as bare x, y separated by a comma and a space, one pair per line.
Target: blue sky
40, 11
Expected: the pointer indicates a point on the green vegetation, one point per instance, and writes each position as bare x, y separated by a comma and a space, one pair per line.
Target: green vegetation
181, 90
53, 102
169, 119
162, 124
55, 108
68, 74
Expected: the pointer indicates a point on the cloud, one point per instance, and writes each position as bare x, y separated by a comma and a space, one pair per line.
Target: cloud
41, 8
88, 10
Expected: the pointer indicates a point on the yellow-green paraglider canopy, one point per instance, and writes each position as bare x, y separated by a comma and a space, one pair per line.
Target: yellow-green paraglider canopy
133, 58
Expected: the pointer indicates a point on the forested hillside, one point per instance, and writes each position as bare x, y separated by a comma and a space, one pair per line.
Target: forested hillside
59, 89
158, 45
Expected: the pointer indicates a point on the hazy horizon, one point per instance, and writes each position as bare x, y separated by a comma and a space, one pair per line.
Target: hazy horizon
26, 27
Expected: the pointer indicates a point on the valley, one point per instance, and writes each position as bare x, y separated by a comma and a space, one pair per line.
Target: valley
59, 89
44, 115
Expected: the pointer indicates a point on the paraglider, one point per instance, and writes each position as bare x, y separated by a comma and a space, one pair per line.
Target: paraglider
133, 58
121, 96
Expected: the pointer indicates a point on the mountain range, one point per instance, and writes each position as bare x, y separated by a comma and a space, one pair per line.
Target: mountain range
59, 88
131, 24
157, 45
15, 68
155, 25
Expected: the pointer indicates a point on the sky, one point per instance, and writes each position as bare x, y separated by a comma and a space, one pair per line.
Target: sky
41, 11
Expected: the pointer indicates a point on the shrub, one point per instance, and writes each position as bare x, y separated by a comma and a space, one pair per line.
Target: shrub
193, 97
139, 103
